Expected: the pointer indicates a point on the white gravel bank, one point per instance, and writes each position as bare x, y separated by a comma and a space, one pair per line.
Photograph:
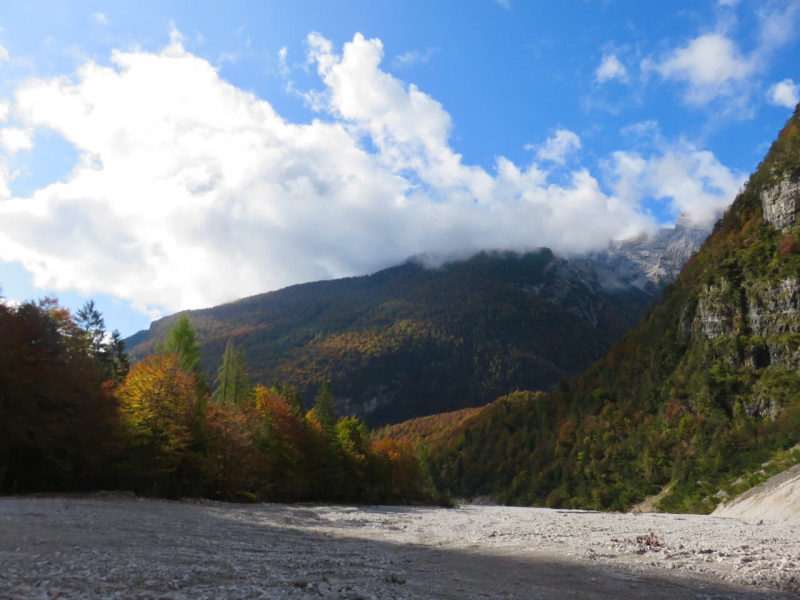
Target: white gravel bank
114, 547
778, 498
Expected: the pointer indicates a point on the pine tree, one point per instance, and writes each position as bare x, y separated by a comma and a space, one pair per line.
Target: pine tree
325, 409
91, 322
182, 341
116, 360
233, 383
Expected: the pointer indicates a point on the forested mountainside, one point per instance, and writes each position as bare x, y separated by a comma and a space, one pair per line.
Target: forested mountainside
410, 341
704, 394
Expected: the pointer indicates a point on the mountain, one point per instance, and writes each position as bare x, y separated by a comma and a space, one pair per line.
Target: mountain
702, 398
410, 340
649, 262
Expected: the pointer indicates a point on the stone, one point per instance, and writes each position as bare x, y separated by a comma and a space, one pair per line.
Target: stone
782, 203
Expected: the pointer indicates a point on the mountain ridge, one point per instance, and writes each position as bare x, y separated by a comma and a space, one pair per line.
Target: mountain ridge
702, 394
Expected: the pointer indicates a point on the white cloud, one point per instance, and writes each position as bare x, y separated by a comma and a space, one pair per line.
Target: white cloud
190, 191
412, 57
14, 139
556, 148
711, 65
692, 180
611, 68
504, 3
100, 18
785, 93
5, 108
3, 54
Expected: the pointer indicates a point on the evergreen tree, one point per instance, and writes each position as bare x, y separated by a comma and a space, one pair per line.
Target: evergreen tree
325, 408
91, 322
182, 341
117, 363
233, 383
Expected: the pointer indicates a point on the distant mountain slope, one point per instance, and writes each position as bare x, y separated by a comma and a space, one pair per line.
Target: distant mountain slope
409, 341
700, 394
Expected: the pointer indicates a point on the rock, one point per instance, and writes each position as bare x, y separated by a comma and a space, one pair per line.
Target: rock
782, 203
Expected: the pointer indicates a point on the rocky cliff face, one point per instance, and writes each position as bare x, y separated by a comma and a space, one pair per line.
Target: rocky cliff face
782, 203
649, 262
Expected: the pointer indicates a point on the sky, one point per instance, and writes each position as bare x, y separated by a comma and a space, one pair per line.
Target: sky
162, 156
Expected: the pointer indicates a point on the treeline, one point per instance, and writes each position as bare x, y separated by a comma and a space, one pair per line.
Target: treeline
75, 416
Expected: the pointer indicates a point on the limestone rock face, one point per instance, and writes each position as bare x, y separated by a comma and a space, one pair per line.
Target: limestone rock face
766, 314
782, 203
650, 262
755, 325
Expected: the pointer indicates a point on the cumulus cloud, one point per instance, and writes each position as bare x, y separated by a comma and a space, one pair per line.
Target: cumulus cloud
100, 18
611, 68
785, 93
190, 192
692, 180
14, 139
557, 147
3, 54
711, 65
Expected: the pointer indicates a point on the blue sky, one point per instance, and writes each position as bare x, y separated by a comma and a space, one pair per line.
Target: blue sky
178, 155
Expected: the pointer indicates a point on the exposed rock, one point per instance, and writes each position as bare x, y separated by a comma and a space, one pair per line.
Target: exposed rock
766, 313
777, 498
714, 313
782, 203
650, 262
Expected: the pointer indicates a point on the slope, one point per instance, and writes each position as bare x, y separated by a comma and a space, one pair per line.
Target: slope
702, 392
410, 341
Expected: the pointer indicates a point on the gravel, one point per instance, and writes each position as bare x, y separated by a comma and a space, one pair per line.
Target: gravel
113, 546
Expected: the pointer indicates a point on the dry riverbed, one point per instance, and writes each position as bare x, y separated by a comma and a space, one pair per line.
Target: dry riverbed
110, 546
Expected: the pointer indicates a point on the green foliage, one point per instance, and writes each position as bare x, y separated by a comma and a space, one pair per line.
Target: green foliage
324, 410
182, 342
233, 383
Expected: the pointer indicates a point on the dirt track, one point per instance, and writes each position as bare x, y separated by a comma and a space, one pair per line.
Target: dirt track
113, 547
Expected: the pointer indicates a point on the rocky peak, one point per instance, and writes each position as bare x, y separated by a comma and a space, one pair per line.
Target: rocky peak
649, 262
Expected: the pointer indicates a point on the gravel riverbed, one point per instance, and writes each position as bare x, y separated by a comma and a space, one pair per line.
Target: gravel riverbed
112, 546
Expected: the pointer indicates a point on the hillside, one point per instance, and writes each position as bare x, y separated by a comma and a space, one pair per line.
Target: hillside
410, 341
700, 394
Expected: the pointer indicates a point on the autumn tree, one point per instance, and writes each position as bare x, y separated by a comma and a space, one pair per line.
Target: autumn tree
57, 422
233, 462
157, 405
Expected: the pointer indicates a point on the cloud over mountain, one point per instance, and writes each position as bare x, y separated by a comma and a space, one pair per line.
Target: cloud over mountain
190, 191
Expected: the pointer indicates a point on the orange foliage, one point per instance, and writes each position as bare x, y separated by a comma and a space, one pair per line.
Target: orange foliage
157, 403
